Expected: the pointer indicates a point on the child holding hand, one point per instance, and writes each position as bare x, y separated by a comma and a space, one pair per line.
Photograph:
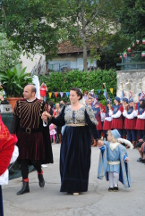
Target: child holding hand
113, 162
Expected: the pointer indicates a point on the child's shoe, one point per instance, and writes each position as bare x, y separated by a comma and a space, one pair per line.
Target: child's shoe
110, 189
115, 189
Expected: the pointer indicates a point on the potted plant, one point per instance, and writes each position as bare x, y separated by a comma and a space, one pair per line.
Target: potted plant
13, 81
1, 94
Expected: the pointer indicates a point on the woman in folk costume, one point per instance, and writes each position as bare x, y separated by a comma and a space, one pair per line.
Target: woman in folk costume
140, 122
99, 114
124, 104
116, 114
75, 151
130, 121
7, 143
108, 119
113, 162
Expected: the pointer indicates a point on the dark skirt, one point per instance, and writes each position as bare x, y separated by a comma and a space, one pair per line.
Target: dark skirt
75, 157
1, 202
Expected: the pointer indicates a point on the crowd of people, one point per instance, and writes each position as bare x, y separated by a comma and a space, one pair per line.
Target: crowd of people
78, 125
124, 115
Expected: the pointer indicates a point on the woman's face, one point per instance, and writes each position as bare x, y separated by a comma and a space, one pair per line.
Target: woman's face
57, 106
131, 104
73, 96
116, 102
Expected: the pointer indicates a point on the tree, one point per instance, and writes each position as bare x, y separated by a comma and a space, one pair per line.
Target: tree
132, 18
89, 22
9, 56
30, 24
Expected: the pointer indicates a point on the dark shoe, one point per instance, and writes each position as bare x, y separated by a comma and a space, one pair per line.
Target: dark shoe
110, 189
139, 160
24, 189
142, 161
41, 180
115, 189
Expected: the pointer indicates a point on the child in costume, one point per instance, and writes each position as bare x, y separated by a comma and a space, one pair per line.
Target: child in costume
113, 162
52, 132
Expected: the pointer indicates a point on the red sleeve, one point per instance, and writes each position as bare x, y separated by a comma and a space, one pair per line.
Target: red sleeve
121, 109
136, 106
7, 142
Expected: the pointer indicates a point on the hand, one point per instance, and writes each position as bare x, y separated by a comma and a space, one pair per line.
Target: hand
44, 118
127, 159
100, 143
45, 115
140, 140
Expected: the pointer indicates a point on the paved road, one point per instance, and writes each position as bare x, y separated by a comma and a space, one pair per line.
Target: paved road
97, 201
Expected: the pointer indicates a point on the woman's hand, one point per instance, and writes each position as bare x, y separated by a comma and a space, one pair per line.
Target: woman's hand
45, 115
100, 143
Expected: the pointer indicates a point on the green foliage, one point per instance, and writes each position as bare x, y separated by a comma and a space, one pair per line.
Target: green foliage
63, 82
14, 80
31, 24
132, 18
9, 56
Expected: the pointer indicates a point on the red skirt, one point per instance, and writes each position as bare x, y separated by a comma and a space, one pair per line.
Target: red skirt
117, 124
107, 125
140, 124
130, 124
99, 126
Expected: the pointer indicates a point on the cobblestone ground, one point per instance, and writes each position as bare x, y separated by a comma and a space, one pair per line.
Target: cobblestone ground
97, 201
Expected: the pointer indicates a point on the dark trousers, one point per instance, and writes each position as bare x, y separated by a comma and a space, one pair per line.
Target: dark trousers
141, 133
24, 167
131, 135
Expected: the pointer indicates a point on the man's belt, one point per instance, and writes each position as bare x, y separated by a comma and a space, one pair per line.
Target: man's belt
30, 130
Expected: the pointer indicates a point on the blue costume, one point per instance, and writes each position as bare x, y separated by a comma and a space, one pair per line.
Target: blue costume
113, 160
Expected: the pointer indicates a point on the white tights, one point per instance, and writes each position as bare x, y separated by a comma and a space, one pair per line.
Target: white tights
113, 179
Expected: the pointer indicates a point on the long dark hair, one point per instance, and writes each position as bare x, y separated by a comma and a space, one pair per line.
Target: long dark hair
78, 91
142, 105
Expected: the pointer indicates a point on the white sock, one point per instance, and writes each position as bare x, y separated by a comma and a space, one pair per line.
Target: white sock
110, 179
116, 177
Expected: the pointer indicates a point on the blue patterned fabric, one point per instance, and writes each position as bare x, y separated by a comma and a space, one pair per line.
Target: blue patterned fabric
116, 108
1, 202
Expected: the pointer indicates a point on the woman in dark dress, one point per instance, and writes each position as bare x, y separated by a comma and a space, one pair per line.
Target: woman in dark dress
75, 151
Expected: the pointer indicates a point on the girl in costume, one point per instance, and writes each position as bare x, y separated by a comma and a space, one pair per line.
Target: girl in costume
52, 132
113, 162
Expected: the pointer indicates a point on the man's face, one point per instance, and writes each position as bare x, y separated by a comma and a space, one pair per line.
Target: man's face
27, 93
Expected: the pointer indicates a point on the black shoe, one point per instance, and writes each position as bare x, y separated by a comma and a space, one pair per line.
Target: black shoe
41, 180
24, 189
110, 189
139, 160
142, 160
115, 189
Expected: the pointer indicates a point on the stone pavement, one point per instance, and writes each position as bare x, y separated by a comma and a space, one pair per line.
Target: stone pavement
97, 201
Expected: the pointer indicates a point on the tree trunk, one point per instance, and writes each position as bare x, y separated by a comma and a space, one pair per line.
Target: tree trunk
85, 64
84, 42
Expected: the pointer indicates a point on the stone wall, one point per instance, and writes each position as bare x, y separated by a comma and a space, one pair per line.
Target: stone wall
134, 78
